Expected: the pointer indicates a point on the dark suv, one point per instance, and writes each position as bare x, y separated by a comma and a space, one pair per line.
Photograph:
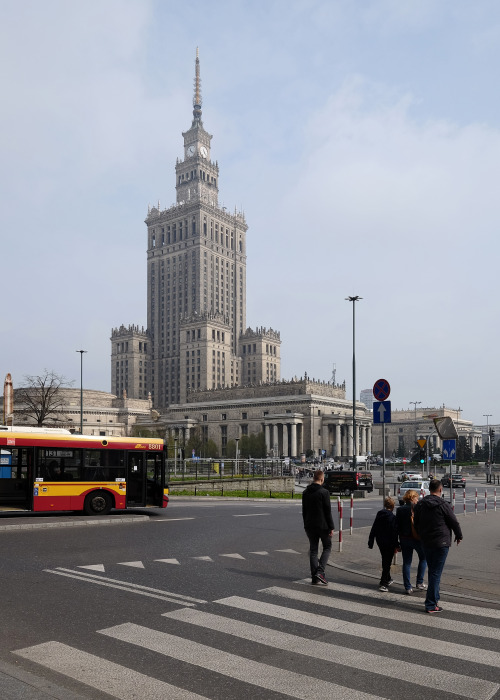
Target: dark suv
347, 482
456, 480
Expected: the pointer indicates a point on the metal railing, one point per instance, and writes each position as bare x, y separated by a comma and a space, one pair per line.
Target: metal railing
203, 469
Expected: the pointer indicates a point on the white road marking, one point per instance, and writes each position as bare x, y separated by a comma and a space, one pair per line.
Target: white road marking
330, 624
118, 681
262, 553
474, 688
287, 551
416, 618
169, 561
170, 520
232, 556
250, 515
203, 558
131, 587
278, 680
409, 601
93, 567
135, 564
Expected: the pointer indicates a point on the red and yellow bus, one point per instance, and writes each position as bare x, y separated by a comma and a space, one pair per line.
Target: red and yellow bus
56, 472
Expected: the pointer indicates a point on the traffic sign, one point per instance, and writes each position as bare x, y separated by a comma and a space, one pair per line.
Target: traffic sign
381, 411
421, 443
381, 390
449, 449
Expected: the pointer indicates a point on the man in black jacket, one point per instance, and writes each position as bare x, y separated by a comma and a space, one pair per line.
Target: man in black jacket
434, 520
318, 524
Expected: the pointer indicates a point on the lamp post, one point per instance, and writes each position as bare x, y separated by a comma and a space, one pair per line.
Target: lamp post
236, 460
354, 446
416, 403
81, 389
175, 456
488, 415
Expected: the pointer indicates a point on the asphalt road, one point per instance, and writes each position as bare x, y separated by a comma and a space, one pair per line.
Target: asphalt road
211, 599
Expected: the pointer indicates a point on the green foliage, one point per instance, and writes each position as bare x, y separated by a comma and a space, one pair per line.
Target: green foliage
253, 445
138, 431
464, 452
231, 449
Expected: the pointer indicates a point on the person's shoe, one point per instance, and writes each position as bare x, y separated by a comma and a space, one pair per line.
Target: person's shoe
409, 591
436, 609
421, 586
384, 589
322, 578
315, 581
390, 582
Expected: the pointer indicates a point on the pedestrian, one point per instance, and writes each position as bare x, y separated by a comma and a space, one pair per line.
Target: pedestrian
410, 542
434, 520
318, 524
385, 532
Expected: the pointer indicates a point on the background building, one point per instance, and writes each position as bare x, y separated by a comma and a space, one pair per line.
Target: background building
366, 397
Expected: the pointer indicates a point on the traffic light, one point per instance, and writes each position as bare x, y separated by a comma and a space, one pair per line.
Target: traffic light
422, 456
492, 434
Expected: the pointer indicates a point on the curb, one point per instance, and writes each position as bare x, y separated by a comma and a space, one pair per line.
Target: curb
75, 523
234, 498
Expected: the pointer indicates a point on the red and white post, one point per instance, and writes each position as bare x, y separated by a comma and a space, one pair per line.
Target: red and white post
352, 514
486, 501
495, 500
465, 511
341, 510
453, 501
475, 503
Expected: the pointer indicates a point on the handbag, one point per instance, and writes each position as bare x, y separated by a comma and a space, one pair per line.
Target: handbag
414, 533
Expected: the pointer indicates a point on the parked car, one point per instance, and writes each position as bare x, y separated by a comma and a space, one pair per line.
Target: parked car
420, 486
414, 476
456, 480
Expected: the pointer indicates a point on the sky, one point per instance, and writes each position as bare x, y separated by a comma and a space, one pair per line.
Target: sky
361, 139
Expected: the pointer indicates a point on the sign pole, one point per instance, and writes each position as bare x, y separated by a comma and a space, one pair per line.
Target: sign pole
383, 463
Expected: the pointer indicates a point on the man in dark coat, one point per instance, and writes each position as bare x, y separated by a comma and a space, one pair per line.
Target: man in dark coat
318, 524
434, 520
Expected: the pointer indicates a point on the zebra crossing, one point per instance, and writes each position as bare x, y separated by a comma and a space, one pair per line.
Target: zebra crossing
342, 642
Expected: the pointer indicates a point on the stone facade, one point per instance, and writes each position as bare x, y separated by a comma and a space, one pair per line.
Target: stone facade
103, 413
408, 426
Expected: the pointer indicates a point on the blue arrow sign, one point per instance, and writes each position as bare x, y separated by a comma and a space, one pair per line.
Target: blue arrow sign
449, 449
381, 411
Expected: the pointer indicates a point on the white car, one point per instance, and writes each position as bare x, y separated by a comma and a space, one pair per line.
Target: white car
418, 485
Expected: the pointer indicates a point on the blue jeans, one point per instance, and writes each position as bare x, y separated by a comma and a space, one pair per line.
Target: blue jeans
407, 547
436, 557
314, 537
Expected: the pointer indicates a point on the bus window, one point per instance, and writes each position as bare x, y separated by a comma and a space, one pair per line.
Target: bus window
101, 465
59, 465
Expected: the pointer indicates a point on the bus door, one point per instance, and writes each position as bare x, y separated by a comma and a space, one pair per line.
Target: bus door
136, 479
16, 478
155, 482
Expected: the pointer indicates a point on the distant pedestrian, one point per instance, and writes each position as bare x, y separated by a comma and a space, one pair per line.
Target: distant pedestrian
410, 542
318, 524
385, 532
434, 520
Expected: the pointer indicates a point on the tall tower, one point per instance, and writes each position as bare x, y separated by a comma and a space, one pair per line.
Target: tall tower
196, 277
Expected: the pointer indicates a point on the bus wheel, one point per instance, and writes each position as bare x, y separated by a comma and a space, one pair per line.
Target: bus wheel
98, 503
347, 492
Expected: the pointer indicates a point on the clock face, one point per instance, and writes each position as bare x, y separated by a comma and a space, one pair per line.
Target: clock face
203, 152
190, 151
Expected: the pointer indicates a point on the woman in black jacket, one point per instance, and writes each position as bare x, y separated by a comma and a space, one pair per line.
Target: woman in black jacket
385, 532
408, 541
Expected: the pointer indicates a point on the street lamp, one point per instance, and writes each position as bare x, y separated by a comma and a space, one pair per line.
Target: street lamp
416, 403
354, 446
488, 415
81, 389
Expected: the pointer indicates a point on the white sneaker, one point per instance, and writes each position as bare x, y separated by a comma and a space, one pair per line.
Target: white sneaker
421, 587
384, 589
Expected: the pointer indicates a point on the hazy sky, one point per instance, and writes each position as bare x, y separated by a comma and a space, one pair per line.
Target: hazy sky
362, 140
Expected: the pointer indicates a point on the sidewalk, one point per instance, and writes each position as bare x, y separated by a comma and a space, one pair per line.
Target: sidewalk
472, 569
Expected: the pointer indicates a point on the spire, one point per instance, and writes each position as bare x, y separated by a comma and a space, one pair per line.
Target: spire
197, 90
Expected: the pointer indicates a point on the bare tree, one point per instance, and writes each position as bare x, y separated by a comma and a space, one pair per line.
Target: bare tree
41, 396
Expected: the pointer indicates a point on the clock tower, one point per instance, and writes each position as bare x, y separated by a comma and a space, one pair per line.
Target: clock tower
197, 176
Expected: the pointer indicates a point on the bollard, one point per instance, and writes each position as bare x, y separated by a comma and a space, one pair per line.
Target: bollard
475, 504
453, 501
340, 526
495, 500
465, 512
486, 501
338, 504
352, 514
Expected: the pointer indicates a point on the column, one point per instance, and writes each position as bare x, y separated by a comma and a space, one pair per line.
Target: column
350, 436
369, 439
285, 439
293, 446
363, 439
188, 433
338, 440
267, 431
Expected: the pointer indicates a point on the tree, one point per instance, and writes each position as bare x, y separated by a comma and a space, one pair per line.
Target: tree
464, 453
139, 431
42, 398
253, 445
